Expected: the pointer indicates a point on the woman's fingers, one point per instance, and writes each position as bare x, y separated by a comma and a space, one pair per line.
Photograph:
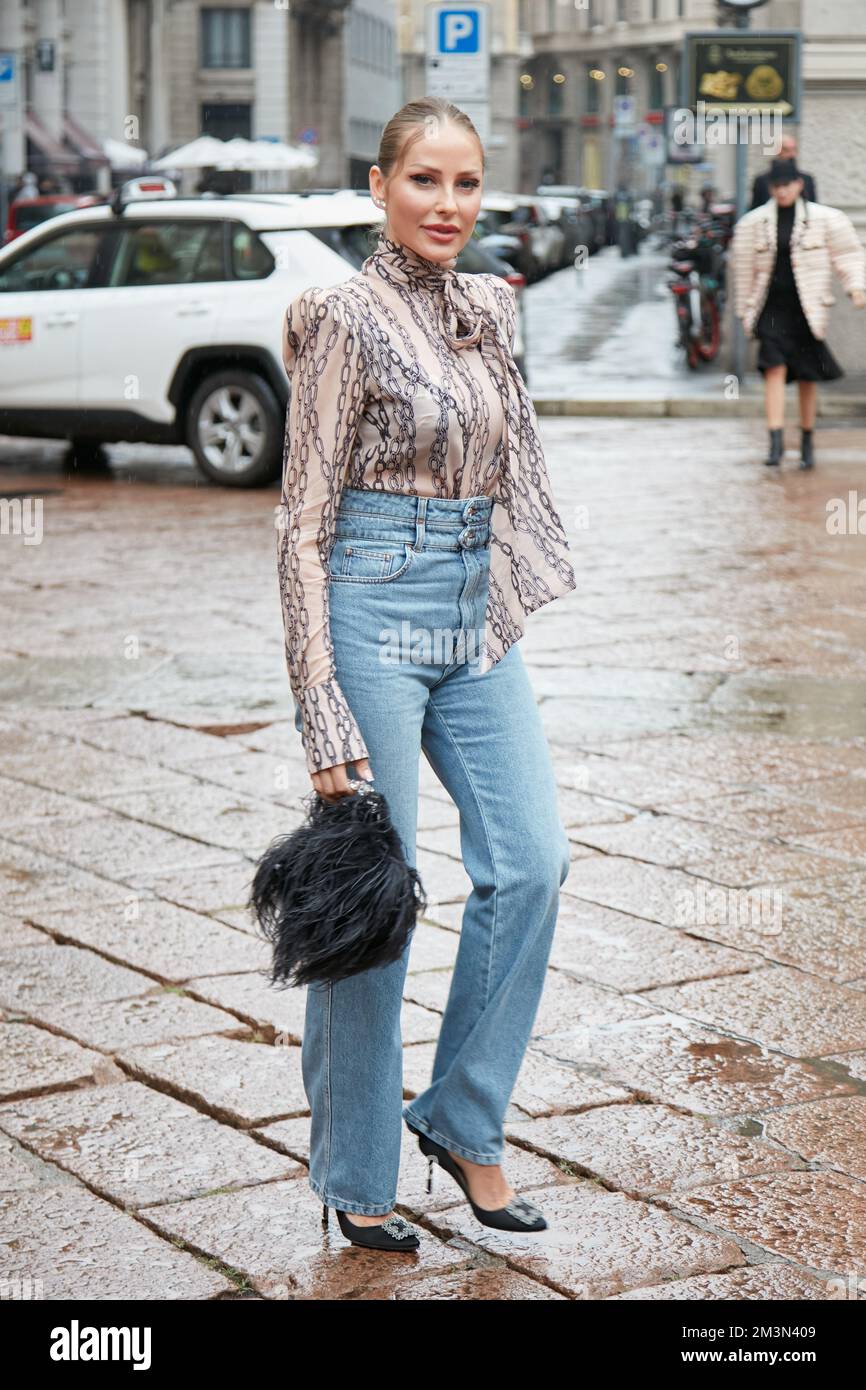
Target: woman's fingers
333, 782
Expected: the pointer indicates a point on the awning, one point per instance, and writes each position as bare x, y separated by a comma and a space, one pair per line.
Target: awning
75, 135
46, 143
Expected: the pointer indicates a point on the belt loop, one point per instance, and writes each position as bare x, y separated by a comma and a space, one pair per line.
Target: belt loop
420, 520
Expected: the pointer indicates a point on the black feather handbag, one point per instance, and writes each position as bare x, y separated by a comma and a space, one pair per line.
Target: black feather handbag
336, 895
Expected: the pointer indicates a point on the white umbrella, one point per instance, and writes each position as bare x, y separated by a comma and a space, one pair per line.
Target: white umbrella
265, 154
123, 156
203, 153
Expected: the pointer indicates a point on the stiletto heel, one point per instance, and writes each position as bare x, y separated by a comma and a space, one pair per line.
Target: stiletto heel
325, 1214
516, 1215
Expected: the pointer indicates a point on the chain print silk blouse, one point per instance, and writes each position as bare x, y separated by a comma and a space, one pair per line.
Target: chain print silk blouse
403, 380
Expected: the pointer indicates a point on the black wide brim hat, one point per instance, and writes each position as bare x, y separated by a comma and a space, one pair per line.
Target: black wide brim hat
783, 171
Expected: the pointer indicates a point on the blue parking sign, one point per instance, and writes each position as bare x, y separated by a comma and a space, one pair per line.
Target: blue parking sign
459, 31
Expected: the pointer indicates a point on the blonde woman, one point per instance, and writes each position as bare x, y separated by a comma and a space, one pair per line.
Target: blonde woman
418, 531
785, 253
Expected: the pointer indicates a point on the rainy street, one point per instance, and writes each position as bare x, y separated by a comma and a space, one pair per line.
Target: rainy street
690, 1110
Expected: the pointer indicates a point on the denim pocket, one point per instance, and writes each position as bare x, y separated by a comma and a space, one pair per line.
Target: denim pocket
368, 560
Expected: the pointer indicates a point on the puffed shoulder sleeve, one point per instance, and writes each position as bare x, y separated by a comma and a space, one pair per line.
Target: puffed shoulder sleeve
324, 358
504, 298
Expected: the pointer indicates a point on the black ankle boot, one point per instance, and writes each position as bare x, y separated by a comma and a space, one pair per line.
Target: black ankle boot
777, 448
807, 452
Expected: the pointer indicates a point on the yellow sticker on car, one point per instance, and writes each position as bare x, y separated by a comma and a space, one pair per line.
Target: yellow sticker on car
16, 330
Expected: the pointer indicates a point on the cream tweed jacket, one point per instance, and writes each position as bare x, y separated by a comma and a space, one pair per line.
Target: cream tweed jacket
823, 239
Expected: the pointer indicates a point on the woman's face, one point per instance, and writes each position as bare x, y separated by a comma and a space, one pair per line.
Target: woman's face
436, 185
787, 193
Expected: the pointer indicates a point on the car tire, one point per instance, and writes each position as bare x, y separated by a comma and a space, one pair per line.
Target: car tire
234, 426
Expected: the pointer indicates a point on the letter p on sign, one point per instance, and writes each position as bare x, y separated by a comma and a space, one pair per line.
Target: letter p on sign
458, 31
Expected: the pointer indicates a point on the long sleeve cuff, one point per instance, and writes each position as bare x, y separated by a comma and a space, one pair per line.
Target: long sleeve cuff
329, 731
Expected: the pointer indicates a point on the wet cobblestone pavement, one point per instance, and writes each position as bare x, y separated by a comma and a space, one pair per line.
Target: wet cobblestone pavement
690, 1113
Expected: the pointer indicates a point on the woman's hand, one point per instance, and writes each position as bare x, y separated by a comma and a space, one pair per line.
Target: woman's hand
858, 298
332, 783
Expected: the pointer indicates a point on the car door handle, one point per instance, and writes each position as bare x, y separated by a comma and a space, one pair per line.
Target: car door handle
61, 321
193, 310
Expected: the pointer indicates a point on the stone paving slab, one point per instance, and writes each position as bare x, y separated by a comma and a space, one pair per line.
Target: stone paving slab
33, 981
644, 1150
65, 1244
214, 890
137, 1147
710, 851
116, 846
166, 942
215, 815
544, 1085
165, 1015
14, 933
597, 1243
242, 1083
34, 1061
564, 1003
763, 1283
489, 1284
274, 1234
795, 1215
780, 1008
698, 1069
628, 953
31, 880
829, 1132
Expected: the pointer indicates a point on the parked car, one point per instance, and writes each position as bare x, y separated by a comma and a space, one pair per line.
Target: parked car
581, 219
160, 319
522, 218
26, 213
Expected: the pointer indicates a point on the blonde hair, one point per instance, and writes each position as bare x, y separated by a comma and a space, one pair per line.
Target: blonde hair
415, 120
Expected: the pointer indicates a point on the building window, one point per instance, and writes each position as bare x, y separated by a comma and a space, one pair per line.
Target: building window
621, 15
555, 95
225, 38
226, 119
623, 79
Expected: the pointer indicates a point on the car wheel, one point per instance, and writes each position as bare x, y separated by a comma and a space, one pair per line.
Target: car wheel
234, 426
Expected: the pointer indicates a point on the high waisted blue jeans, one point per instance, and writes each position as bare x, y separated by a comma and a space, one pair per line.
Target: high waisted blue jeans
408, 593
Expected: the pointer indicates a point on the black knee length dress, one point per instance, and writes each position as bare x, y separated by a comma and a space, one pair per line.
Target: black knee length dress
782, 328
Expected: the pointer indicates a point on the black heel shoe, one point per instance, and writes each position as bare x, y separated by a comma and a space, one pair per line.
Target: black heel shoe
776, 449
807, 449
517, 1215
391, 1234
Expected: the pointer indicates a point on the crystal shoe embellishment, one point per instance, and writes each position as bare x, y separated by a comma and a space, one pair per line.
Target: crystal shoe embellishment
523, 1210
397, 1227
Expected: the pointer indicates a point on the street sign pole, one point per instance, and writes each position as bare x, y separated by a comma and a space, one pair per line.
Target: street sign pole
742, 17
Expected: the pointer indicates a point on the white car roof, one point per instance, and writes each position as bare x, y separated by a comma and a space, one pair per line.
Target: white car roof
261, 212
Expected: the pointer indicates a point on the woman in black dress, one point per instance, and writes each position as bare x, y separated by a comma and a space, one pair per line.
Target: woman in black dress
789, 350
785, 303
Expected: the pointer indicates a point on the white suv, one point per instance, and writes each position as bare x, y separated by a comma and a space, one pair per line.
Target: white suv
160, 319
